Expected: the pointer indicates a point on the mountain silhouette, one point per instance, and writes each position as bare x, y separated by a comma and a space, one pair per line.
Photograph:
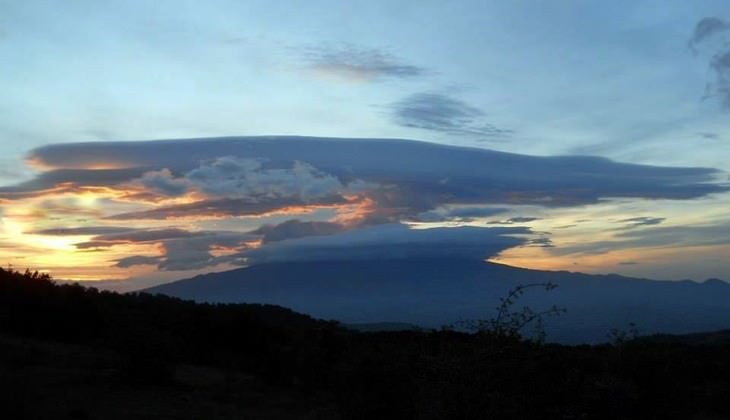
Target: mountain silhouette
431, 293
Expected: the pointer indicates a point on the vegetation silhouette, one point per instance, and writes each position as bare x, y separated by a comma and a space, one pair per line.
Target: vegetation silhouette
508, 323
68, 351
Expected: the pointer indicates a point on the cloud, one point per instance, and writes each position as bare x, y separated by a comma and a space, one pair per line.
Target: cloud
442, 113
359, 64
248, 178
244, 178
460, 213
676, 236
69, 180
230, 207
514, 220
137, 260
197, 253
635, 222
391, 241
541, 242
712, 38
707, 27
296, 229
83, 231
331, 187
708, 135
257, 175
138, 236
181, 250
163, 182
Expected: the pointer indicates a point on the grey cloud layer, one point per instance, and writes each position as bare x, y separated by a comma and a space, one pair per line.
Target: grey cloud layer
442, 113
137, 236
296, 229
392, 241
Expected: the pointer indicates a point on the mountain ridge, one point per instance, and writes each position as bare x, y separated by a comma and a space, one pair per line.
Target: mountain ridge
434, 292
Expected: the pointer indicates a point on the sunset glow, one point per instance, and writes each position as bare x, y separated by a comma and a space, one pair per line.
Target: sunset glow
616, 164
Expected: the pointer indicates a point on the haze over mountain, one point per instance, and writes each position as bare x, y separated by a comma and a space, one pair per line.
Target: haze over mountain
431, 292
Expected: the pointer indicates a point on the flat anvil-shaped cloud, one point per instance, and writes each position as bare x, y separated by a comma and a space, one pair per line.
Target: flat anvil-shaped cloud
370, 187
425, 175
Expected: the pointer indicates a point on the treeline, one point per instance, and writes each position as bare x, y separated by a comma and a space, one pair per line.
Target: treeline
411, 374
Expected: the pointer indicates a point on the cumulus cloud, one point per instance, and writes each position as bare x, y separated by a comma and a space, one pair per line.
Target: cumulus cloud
392, 241
163, 182
359, 64
236, 177
442, 113
244, 178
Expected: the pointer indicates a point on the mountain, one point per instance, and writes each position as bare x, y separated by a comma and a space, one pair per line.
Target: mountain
435, 292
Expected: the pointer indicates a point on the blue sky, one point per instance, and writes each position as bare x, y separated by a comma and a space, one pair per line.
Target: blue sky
620, 80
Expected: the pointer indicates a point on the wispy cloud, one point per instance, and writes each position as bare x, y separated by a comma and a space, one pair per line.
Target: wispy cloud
358, 64
83, 231
635, 222
459, 213
675, 236
514, 220
711, 37
706, 28
445, 114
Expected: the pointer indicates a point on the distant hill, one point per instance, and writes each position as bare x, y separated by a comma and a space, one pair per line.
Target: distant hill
434, 292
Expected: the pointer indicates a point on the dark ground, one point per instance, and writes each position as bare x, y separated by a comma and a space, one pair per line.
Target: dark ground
67, 352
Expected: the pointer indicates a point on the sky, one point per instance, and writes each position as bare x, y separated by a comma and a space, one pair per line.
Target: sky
573, 135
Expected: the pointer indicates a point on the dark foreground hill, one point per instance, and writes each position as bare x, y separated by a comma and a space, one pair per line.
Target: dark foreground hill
436, 292
67, 352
